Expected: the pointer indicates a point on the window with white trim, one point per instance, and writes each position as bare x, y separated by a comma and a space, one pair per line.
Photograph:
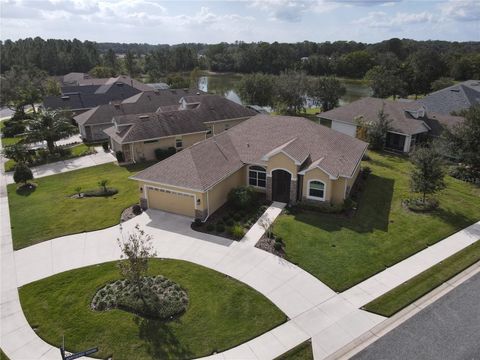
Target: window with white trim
179, 142
316, 190
257, 176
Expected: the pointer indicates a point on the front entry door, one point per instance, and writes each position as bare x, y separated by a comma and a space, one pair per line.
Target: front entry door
281, 186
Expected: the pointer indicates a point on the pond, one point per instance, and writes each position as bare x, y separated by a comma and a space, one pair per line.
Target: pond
225, 85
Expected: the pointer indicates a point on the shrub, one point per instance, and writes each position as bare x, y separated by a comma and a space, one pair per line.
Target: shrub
242, 197
161, 154
279, 239
225, 218
136, 209
327, 208
366, 157
237, 217
220, 228
22, 173
120, 156
100, 192
63, 152
418, 205
197, 222
105, 145
13, 128
237, 231
277, 246
366, 171
229, 222
465, 173
210, 227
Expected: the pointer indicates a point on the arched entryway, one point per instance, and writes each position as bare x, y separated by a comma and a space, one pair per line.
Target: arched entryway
281, 181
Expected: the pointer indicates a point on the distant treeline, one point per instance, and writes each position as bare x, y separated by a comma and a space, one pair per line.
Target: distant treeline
341, 58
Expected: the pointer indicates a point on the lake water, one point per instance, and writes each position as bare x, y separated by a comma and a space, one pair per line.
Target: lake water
225, 85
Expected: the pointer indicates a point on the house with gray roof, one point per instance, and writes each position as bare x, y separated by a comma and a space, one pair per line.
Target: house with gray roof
83, 94
410, 121
290, 159
136, 136
453, 99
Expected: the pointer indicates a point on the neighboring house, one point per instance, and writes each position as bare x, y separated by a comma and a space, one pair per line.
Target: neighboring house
410, 122
88, 93
289, 158
178, 126
92, 122
453, 99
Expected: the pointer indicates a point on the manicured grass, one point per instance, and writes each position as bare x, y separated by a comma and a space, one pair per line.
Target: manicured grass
49, 212
410, 291
77, 151
343, 251
3, 356
301, 352
222, 313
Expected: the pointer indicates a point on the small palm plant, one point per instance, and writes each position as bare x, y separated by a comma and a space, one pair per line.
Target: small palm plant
103, 184
78, 190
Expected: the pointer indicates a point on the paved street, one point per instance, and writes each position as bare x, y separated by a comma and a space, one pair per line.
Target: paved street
447, 329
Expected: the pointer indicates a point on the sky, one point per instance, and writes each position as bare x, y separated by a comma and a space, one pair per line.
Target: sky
173, 22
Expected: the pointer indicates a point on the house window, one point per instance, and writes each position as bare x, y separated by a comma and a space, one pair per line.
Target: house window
178, 142
209, 130
257, 176
316, 190
227, 126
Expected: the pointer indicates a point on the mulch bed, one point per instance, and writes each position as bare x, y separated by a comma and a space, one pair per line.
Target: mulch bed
267, 244
130, 212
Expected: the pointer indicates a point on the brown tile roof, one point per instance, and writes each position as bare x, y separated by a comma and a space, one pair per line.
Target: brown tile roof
168, 123
368, 108
206, 163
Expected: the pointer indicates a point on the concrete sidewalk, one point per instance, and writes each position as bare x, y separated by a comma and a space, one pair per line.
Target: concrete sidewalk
390, 278
257, 231
100, 157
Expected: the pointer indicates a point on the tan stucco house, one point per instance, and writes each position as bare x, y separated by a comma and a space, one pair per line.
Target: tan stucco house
289, 158
192, 119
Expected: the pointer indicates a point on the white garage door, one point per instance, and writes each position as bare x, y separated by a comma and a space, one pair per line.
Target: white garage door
171, 201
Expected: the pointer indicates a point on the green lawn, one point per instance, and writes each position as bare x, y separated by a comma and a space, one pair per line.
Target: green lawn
410, 291
222, 313
344, 251
301, 352
3, 356
49, 212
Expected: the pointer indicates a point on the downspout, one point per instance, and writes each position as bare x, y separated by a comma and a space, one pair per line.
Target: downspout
208, 208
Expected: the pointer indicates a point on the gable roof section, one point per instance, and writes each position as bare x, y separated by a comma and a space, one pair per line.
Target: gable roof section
367, 109
204, 164
453, 98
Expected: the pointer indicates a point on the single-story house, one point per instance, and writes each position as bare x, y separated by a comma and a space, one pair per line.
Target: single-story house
453, 99
410, 122
193, 119
91, 123
93, 92
289, 158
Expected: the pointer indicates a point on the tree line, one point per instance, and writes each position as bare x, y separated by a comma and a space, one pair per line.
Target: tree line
412, 65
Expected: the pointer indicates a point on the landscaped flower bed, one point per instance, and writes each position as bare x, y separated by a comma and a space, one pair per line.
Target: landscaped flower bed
159, 298
231, 222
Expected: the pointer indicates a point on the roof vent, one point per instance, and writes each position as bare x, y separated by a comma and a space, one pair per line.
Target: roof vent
455, 90
198, 92
65, 97
143, 117
119, 83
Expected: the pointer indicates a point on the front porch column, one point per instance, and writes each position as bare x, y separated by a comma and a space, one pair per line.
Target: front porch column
406, 146
268, 189
293, 191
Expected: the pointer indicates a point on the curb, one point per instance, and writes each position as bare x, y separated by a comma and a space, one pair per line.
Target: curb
403, 315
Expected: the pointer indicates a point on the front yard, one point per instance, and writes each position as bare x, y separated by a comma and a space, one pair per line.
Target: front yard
343, 251
222, 313
50, 211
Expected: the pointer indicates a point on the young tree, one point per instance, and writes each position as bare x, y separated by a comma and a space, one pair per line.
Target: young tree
52, 87
464, 140
194, 77
102, 72
326, 92
257, 89
130, 64
50, 126
110, 59
376, 131
136, 249
22, 173
427, 174
103, 184
442, 83
290, 91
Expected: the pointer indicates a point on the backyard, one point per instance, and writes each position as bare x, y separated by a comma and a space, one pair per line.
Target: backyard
342, 251
49, 211
214, 321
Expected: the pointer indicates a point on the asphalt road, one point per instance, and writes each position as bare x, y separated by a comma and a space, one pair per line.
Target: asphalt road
449, 329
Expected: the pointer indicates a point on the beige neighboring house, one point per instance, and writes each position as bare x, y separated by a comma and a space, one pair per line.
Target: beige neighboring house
192, 119
289, 158
410, 121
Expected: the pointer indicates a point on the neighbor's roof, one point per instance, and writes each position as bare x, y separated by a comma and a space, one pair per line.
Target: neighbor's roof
366, 109
204, 164
159, 124
143, 102
453, 98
